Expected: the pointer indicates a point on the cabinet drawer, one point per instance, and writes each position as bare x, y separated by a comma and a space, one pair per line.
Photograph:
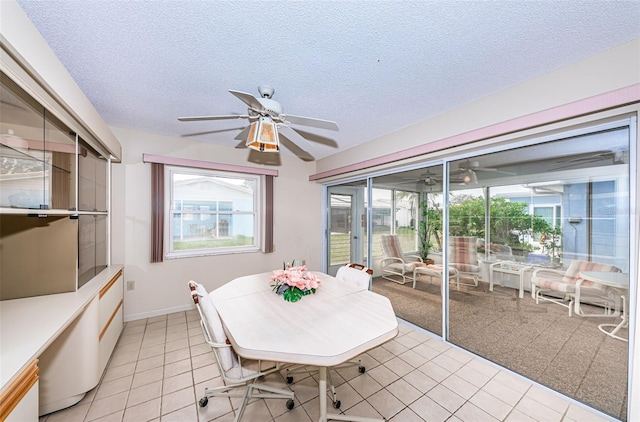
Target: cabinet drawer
109, 338
110, 318
19, 402
110, 299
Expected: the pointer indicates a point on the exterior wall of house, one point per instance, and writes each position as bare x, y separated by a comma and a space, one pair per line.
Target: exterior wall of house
227, 198
161, 287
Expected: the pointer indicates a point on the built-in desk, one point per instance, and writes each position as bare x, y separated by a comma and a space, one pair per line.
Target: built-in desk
40, 328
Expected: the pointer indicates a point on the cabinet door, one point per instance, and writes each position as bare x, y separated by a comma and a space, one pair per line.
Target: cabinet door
37, 154
38, 255
92, 179
69, 366
92, 246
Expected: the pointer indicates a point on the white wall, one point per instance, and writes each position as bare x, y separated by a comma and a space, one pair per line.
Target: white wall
613, 69
162, 287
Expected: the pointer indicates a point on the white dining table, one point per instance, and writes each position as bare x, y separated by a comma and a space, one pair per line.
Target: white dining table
336, 324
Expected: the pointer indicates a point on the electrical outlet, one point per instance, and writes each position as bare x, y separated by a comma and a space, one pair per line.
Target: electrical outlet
131, 285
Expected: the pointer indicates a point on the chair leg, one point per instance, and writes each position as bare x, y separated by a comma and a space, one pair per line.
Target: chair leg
389, 275
263, 392
539, 295
608, 312
251, 390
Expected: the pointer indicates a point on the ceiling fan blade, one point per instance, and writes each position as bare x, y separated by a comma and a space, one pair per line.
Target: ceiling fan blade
242, 136
492, 170
309, 121
242, 145
591, 156
227, 117
291, 146
212, 131
294, 136
248, 99
316, 138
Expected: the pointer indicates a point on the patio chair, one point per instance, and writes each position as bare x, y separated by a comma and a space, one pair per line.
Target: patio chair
463, 256
240, 375
564, 287
495, 250
396, 266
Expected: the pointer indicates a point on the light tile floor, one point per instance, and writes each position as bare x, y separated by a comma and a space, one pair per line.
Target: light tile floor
161, 366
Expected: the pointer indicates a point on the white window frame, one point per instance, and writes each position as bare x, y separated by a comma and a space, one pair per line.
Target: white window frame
168, 221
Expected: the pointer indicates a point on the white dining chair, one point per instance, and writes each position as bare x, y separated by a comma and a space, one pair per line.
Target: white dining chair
240, 375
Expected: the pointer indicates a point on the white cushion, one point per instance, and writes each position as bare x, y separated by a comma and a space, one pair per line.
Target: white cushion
352, 275
214, 325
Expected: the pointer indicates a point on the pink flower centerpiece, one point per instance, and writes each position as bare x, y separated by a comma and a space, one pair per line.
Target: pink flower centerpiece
294, 282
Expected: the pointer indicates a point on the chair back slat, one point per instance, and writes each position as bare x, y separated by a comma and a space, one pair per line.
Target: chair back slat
391, 245
462, 250
572, 274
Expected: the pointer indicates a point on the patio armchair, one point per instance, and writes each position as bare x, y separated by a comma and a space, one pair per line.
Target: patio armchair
495, 250
568, 289
463, 256
396, 266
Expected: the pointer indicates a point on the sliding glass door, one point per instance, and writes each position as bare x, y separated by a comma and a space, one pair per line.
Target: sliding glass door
550, 225
522, 254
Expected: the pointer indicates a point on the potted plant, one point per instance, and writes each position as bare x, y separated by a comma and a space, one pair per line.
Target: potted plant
551, 243
427, 230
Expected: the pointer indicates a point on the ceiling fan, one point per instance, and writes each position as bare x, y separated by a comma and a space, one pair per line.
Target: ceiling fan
596, 158
474, 165
268, 124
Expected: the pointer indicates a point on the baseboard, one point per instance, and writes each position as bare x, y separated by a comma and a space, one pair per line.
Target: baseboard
158, 312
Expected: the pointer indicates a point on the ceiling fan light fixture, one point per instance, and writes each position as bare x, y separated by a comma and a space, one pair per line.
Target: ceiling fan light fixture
263, 136
470, 177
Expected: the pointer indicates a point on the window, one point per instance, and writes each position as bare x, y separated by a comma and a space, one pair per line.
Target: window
211, 212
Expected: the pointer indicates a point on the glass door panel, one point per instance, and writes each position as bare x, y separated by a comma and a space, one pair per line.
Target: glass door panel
409, 206
536, 218
346, 225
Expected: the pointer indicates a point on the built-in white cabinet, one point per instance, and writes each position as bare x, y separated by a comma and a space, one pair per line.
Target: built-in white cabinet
54, 241
53, 200
60, 296
64, 350
73, 364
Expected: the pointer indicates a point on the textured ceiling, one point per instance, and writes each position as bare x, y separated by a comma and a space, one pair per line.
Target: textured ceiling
371, 66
